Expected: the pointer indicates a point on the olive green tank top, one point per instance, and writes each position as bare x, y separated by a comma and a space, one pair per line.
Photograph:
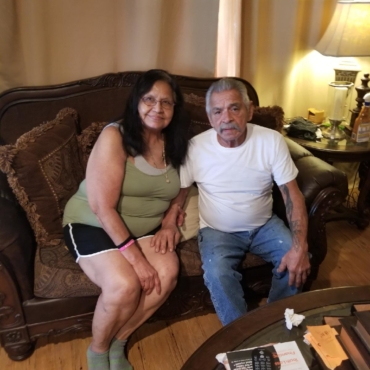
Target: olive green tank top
144, 199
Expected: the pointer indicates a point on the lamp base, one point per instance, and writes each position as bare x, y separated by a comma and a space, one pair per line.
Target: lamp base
334, 132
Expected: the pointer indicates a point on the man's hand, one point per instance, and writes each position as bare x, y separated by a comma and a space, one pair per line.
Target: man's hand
298, 264
166, 239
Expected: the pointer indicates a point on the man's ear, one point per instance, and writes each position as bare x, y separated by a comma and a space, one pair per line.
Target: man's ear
250, 111
209, 119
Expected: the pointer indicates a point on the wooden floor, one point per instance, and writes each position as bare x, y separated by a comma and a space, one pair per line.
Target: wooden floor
167, 345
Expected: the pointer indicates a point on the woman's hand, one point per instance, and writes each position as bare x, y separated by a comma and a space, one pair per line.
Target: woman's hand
148, 276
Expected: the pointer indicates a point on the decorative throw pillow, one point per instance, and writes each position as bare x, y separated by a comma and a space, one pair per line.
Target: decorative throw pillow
270, 117
44, 169
88, 138
190, 227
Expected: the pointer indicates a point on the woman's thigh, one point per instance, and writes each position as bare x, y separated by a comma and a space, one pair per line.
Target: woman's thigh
111, 267
166, 264
108, 269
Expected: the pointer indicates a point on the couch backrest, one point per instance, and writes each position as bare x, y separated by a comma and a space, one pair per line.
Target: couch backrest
97, 99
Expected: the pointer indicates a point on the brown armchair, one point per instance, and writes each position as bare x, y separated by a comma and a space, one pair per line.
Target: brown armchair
42, 291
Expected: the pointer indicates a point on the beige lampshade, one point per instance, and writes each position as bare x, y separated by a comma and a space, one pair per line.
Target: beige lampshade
348, 33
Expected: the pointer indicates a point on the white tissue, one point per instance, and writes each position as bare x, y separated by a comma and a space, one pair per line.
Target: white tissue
292, 318
319, 134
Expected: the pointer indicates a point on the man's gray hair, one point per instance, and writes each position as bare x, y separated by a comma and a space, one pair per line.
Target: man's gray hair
225, 84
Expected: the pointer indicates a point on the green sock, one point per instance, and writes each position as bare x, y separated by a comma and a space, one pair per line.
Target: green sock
117, 358
97, 361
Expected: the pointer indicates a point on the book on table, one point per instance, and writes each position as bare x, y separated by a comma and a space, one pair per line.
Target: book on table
362, 327
353, 345
333, 321
357, 307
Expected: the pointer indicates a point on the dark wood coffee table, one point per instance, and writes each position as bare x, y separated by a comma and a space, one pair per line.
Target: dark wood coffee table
266, 324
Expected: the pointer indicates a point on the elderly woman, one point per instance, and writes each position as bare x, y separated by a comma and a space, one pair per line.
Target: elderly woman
131, 179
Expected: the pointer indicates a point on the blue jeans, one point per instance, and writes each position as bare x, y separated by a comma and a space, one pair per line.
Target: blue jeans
222, 254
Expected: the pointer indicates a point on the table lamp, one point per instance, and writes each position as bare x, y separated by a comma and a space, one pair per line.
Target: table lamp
348, 35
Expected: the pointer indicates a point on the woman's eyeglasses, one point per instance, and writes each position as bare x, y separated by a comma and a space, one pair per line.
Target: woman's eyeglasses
151, 102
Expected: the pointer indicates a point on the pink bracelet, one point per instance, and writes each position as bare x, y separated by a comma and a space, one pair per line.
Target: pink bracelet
124, 247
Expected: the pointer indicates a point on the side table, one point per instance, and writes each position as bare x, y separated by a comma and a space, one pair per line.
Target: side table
346, 151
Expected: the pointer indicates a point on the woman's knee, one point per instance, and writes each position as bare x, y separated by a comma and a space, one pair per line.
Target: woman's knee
168, 274
121, 290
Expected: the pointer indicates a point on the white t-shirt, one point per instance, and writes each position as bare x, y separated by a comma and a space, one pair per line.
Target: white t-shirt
235, 184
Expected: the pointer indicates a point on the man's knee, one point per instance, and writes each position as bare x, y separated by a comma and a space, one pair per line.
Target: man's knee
216, 265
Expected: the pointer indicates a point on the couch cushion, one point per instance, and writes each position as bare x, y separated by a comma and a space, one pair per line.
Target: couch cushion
88, 138
270, 117
190, 227
44, 168
56, 273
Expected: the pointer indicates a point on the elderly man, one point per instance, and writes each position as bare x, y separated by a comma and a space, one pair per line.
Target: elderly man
234, 165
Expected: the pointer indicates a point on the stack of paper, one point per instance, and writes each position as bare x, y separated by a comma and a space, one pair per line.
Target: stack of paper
323, 339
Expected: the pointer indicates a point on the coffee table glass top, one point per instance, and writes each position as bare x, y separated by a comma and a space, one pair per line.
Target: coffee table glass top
266, 324
279, 333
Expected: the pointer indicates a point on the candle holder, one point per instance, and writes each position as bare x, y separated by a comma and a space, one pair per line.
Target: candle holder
334, 132
339, 92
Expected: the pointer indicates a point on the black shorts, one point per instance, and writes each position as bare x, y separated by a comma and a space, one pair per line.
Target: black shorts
85, 240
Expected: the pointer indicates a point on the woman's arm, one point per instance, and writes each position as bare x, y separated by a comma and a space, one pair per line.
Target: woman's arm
104, 177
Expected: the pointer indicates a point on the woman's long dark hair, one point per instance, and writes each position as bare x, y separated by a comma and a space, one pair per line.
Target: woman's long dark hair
175, 134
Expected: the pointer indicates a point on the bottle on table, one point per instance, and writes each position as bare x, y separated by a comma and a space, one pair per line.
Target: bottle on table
361, 128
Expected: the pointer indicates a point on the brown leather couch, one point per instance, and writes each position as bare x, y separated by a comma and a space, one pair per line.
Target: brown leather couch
42, 291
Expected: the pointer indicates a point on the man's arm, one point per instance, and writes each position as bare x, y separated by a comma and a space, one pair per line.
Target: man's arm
168, 236
297, 259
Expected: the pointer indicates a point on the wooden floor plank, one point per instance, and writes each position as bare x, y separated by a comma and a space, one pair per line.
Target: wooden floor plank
135, 352
191, 333
209, 324
158, 349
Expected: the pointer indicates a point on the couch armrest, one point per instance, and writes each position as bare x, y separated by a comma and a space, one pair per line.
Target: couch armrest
17, 246
323, 187
315, 174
